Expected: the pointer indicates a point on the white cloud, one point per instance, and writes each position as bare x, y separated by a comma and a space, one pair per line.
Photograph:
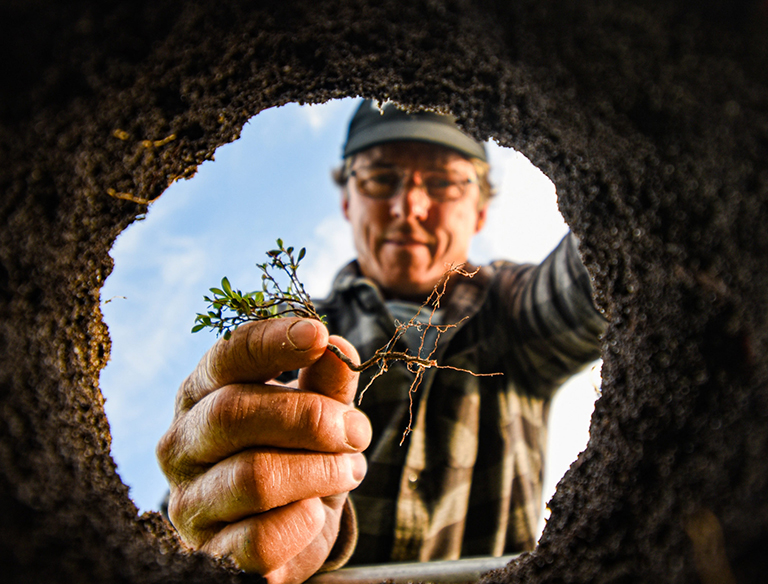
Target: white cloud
524, 223
318, 116
149, 321
183, 263
331, 248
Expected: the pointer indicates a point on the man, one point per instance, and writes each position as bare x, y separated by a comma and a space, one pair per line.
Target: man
262, 473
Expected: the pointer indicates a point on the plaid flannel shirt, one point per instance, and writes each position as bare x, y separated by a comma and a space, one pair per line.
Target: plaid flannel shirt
467, 480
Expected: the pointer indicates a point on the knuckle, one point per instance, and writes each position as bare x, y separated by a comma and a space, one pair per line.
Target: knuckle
221, 416
310, 519
338, 472
257, 478
186, 518
312, 414
170, 458
320, 418
164, 447
176, 508
254, 349
213, 366
201, 381
186, 396
219, 412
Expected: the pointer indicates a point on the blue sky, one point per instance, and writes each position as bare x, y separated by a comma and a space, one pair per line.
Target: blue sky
275, 182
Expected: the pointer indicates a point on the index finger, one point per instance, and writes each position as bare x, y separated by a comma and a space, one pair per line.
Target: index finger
255, 353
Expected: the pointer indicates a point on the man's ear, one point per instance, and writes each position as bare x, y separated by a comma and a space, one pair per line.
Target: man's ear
482, 215
345, 203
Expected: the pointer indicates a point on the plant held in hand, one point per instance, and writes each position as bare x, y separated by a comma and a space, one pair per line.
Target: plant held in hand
229, 308
283, 294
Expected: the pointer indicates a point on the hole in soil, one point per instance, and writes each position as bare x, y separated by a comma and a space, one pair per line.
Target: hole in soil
275, 182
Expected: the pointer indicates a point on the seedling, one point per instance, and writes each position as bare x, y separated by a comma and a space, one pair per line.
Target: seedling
283, 294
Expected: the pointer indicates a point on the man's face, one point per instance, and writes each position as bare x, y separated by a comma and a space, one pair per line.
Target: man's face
406, 242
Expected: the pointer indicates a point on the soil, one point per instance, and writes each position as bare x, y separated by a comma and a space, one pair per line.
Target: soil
650, 117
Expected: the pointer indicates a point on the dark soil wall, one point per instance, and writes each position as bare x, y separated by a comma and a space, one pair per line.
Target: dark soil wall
650, 117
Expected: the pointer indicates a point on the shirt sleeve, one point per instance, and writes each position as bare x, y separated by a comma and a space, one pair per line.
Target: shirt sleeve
346, 540
556, 326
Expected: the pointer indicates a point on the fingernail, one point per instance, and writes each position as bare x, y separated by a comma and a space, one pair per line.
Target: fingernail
302, 334
359, 467
356, 429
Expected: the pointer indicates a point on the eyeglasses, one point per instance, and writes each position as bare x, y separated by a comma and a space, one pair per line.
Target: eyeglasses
385, 183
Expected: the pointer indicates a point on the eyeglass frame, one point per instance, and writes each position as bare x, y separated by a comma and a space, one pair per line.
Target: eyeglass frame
402, 175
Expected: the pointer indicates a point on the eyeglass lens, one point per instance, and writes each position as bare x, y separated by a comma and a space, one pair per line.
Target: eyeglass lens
383, 183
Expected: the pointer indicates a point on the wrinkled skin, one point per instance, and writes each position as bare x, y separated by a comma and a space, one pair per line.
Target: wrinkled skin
259, 472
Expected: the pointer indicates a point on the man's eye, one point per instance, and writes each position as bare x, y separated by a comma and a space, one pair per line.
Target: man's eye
439, 182
384, 179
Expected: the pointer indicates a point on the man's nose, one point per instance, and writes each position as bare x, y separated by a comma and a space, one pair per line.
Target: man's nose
412, 201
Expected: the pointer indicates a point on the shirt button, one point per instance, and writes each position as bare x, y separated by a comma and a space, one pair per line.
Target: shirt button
413, 480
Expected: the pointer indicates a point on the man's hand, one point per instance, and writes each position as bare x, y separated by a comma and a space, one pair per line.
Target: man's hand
260, 472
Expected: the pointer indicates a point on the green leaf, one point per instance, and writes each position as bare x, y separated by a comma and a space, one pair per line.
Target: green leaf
279, 243
302, 253
198, 328
226, 286
218, 291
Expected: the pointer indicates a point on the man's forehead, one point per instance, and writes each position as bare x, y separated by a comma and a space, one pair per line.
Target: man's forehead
409, 152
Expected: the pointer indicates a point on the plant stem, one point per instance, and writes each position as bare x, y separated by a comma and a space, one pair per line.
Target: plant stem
380, 356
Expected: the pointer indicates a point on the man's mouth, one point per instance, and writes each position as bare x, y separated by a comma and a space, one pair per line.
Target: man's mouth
407, 239
404, 241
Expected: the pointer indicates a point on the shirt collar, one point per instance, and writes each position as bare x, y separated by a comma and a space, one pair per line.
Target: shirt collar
466, 298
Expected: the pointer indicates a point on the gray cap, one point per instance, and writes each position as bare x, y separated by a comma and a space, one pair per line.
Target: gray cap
373, 125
